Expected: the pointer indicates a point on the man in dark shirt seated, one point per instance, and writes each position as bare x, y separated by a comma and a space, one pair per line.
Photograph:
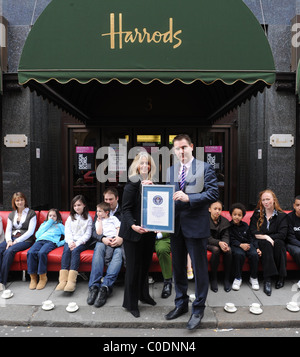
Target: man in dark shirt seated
293, 239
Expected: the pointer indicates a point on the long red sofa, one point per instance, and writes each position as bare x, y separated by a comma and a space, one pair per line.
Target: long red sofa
54, 257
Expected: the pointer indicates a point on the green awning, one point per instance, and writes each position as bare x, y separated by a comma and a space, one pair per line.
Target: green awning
146, 40
79, 51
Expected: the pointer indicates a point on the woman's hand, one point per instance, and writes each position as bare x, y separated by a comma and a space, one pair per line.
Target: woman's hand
265, 237
147, 182
139, 229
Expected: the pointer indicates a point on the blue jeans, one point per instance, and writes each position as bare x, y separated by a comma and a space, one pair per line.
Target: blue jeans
113, 269
7, 257
71, 258
37, 256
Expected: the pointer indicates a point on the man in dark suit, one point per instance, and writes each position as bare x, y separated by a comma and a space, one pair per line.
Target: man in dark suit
195, 188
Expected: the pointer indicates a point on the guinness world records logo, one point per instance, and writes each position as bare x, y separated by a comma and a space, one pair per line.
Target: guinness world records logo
157, 200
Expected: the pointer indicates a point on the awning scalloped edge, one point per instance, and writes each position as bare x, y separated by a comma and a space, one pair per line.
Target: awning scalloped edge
145, 82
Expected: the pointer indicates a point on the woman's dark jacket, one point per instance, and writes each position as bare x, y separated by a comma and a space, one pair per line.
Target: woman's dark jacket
278, 227
131, 209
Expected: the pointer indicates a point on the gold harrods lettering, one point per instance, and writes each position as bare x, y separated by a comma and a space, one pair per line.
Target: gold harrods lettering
141, 36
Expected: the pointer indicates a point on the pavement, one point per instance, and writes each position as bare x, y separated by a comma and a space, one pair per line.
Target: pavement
24, 308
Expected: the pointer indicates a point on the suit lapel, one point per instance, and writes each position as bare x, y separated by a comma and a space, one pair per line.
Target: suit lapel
191, 172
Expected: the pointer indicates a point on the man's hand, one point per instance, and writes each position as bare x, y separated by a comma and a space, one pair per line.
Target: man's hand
181, 196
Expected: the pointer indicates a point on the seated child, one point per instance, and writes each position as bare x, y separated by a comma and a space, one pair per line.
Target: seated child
242, 245
48, 237
109, 226
78, 232
218, 243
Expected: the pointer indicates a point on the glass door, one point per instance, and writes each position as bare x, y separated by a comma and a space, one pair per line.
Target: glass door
151, 141
119, 142
84, 144
215, 142
159, 143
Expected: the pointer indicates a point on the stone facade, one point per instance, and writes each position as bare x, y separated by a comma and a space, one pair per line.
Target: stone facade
271, 112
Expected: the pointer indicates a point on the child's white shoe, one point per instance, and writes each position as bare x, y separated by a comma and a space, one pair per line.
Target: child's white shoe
254, 283
236, 284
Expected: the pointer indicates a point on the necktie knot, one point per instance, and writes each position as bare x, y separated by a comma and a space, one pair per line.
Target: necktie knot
182, 178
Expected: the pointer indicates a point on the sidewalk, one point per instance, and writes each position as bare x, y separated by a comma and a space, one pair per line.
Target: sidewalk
25, 308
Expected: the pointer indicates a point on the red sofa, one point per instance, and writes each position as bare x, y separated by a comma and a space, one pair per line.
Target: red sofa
54, 257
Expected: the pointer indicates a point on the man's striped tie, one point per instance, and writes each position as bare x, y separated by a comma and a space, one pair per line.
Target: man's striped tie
182, 178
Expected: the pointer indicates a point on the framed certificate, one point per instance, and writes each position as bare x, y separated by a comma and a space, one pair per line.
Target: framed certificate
158, 208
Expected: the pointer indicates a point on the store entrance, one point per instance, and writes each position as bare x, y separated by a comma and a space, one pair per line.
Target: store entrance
214, 143
83, 148
159, 143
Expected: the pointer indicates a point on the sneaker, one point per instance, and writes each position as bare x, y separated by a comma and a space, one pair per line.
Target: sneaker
254, 283
150, 280
236, 284
298, 284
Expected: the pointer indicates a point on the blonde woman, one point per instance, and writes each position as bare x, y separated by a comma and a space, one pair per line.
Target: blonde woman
138, 242
269, 225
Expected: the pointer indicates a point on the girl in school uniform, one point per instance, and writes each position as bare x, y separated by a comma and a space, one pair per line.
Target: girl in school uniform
218, 243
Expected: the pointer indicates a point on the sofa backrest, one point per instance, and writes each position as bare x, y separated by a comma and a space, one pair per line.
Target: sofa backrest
4, 216
247, 217
41, 216
64, 216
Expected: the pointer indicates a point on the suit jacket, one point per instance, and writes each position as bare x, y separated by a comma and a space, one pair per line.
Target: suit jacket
202, 188
131, 210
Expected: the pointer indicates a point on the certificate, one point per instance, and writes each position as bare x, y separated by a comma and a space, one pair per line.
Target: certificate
158, 208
